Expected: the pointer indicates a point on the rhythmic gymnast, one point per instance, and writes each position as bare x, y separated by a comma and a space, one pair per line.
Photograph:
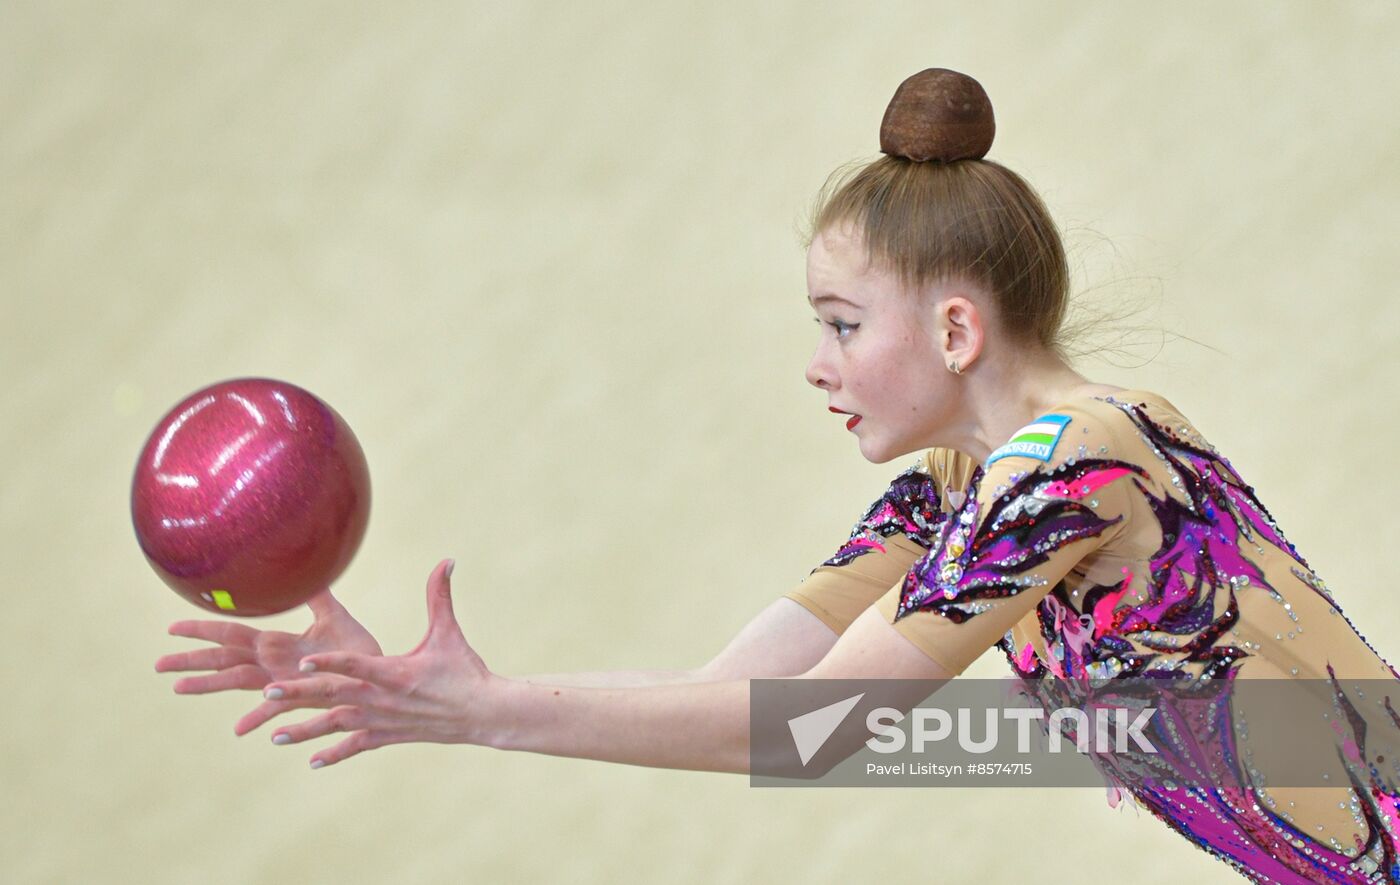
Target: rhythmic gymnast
1088, 531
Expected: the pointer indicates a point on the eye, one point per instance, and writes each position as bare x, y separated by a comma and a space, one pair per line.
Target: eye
842, 329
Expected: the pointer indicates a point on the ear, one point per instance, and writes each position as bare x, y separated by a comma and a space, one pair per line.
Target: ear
961, 331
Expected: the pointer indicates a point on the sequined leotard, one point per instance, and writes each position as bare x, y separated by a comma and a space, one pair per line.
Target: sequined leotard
1109, 540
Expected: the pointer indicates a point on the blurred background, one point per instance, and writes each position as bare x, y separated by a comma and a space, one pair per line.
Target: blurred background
544, 259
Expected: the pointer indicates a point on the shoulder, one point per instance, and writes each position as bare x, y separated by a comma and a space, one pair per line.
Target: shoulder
1085, 428
1084, 449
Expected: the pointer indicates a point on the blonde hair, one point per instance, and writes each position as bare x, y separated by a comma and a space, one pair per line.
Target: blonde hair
972, 219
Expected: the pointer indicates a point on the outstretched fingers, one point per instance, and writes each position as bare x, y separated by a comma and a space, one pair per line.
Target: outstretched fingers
260, 714
241, 676
222, 632
377, 700
442, 620
325, 690
440, 614
356, 743
345, 717
370, 668
219, 658
365, 735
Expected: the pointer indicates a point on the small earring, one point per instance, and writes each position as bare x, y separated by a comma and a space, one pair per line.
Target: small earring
953, 367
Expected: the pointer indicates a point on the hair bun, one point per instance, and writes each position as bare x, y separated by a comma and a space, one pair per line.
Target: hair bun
938, 114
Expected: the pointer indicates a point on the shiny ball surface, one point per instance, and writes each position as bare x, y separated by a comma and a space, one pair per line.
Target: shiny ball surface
250, 496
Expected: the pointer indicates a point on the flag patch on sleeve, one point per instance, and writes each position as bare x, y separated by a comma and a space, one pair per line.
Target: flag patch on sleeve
1035, 440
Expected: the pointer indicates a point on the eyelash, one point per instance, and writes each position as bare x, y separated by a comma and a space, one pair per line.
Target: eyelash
838, 326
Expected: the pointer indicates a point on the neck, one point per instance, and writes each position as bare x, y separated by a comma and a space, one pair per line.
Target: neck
1003, 398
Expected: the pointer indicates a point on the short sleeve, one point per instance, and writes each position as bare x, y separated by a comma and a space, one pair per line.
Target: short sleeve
1045, 503
838, 594
895, 530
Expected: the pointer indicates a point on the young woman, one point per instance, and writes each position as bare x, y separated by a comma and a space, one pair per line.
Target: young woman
1089, 531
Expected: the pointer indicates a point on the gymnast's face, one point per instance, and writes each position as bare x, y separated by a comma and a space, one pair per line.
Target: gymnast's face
879, 355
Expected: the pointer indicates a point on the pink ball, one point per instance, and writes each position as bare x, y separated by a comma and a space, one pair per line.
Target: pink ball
250, 496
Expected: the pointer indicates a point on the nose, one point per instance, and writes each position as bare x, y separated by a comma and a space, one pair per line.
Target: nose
819, 372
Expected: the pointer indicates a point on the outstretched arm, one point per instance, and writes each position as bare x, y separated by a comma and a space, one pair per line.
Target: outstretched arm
702, 727
443, 692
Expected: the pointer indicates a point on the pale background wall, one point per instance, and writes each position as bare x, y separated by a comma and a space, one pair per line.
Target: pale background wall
543, 259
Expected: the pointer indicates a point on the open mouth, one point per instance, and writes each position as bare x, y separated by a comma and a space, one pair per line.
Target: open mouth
851, 422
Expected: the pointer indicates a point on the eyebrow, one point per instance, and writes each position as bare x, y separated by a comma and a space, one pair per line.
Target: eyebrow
820, 298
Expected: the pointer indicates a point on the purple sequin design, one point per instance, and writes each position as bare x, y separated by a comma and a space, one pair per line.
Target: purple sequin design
1201, 563
910, 506
989, 558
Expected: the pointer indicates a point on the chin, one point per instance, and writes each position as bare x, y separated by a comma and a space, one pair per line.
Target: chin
876, 453
882, 452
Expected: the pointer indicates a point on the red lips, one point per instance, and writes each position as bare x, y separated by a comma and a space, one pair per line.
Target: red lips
855, 419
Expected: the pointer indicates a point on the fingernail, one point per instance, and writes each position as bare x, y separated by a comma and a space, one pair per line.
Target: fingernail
317, 763
451, 564
273, 694
282, 738
307, 666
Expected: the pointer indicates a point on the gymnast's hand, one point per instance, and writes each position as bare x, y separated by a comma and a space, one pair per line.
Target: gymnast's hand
434, 693
248, 658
